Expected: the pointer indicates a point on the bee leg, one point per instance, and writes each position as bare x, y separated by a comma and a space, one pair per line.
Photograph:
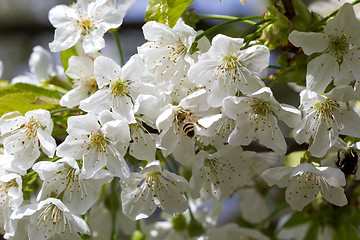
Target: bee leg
337, 163
355, 170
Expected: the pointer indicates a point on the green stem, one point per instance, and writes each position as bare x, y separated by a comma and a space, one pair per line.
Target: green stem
113, 209
245, 32
116, 37
314, 27
216, 27
60, 83
289, 8
252, 36
53, 112
224, 17
274, 67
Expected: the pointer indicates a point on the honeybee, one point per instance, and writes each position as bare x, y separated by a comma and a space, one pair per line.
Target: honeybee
187, 122
349, 163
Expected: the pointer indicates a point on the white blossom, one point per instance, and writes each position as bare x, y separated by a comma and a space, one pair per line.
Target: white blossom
153, 187
173, 138
85, 21
225, 69
95, 143
324, 8
42, 69
63, 178
219, 173
167, 52
216, 131
11, 198
325, 117
100, 223
81, 71
255, 120
51, 219
339, 46
23, 136
304, 182
118, 87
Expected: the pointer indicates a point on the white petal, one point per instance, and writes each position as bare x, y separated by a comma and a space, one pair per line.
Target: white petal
47, 142
310, 42
320, 72
278, 176
255, 58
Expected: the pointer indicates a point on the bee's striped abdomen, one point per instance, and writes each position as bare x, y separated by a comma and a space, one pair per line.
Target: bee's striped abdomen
188, 129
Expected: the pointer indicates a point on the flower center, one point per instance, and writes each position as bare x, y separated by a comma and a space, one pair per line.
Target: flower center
228, 69
120, 87
98, 141
4, 187
261, 107
338, 46
229, 63
31, 127
86, 25
52, 218
177, 51
325, 110
90, 85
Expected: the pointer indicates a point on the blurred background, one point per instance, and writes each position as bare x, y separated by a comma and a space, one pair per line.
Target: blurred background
24, 24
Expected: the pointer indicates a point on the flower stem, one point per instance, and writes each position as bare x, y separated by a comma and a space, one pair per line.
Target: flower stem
314, 27
53, 112
224, 17
253, 35
114, 32
216, 27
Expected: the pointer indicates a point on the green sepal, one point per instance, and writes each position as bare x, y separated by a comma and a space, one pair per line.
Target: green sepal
66, 55
166, 11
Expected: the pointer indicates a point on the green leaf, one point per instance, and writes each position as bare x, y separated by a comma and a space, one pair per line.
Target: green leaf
166, 11
24, 87
156, 10
312, 231
176, 8
24, 97
296, 219
346, 232
25, 101
66, 55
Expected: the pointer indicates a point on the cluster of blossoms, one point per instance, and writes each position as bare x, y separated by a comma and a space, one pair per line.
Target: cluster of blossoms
172, 108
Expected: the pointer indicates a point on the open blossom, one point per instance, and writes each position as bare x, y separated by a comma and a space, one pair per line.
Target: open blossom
153, 187
25, 135
85, 21
255, 119
304, 182
118, 87
81, 71
219, 173
225, 69
216, 131
174, 138
325, 117
51, 219
95, 142
339, 46
63, 178
167, 52
137, 141
42, 69
326, 7
11, 198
